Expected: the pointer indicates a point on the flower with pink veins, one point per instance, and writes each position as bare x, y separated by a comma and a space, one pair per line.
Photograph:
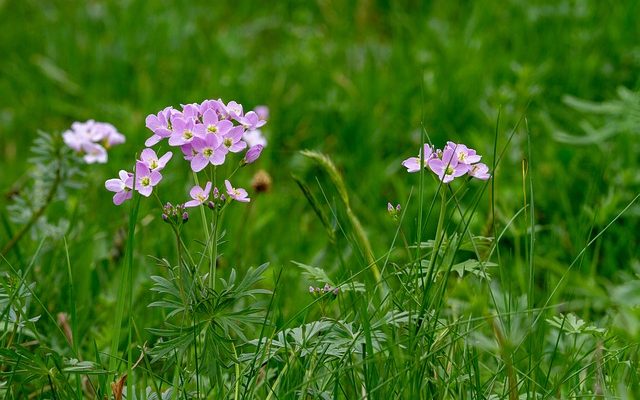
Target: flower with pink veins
211, 124
207, 151
151, 160
232, 140
412, 164
480, 171
464, 154
160, 125
238, 194
448, 168
146, 179
184, 131
122, 187
199, 195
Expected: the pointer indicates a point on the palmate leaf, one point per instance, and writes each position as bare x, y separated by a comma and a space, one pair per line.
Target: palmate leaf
573, 325
318, 275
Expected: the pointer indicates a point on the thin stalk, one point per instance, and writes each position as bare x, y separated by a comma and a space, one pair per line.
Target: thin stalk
214, 245
205, 225
122, 295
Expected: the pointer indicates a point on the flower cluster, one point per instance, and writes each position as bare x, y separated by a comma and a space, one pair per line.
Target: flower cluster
454, 161
175, 215
91, 140
206, 134
323, 290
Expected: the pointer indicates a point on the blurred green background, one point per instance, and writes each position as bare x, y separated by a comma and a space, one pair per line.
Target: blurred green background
357, 80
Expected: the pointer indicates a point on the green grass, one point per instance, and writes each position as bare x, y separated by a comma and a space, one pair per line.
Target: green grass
546, 91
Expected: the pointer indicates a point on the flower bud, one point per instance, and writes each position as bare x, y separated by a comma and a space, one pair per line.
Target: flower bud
211, 205
165, 218
185, 217
252, 154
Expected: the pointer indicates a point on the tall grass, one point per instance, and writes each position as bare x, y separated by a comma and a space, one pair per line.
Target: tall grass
524, 287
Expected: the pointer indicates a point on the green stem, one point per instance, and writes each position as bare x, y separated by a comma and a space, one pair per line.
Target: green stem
212, 265
439, 236
36, 215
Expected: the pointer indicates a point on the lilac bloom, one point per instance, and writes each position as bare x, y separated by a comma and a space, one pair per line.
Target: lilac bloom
263, 112
412, 164
208, 105
252, 154
464, 154
198, 195
252, 121
146, 179
160, 125
188, 151
91, 139
480, 171
234, 110
74, 140
211, 124
232, 140
107, 134
184, 131
191, 111
208, 150
122, 187
94, 153
448, 167
151, 160
254, 137
238, 194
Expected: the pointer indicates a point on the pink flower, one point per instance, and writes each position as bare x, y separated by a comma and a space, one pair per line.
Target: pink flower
91, 139
146, 179
252, 121
234, 110
151, 160
448, 168
254, 137
207, 151
412, 164
160, 125
464, 154
184, 131
232, 140
480, 171
263, 112
198, 195
122, 187
238, 194
212, 125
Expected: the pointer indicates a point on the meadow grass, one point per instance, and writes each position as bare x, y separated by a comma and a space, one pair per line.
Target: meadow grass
525, 286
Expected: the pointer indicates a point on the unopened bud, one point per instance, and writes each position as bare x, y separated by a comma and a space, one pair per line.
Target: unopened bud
165, 218
211, 205
185, 217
